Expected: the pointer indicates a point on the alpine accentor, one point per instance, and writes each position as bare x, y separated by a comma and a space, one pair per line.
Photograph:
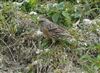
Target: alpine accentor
51, 30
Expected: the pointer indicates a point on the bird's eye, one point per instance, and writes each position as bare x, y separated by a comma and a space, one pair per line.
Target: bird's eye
40, 21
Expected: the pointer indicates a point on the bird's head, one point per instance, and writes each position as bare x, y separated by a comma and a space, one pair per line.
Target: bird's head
42, 19
43, 22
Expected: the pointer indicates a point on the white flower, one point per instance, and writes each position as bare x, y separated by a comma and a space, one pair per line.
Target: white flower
32, 12
51, 59
55, 4
17, 4
38, 51
41, 5
38, 18
46, 50
85, 44
66, 9
78, 1
72, 40
87, 21
39, 33
97, 30
35, 62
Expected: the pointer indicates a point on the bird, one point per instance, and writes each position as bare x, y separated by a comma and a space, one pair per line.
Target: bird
52, 30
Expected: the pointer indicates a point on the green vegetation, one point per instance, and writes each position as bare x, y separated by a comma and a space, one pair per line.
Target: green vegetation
23, 51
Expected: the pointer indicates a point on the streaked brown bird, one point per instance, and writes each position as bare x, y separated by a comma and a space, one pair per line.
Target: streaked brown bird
51, 30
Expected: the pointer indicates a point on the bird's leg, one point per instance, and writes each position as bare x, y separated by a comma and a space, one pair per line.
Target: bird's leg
53, 42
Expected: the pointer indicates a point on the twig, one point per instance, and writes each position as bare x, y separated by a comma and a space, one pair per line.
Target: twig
9, 50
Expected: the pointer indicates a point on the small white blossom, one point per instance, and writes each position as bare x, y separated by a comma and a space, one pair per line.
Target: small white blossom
87, 21
66, 9
46, 50
55, 4
35, 62
51, 59
17, 4
20, 4
66, 55
78, 1
73, 39
32, 12
38, 18
85, 44
39, 33
38, 51
10, 35
97, 30
41, 5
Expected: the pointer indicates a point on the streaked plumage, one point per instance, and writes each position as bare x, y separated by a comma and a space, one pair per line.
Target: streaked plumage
52, 30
